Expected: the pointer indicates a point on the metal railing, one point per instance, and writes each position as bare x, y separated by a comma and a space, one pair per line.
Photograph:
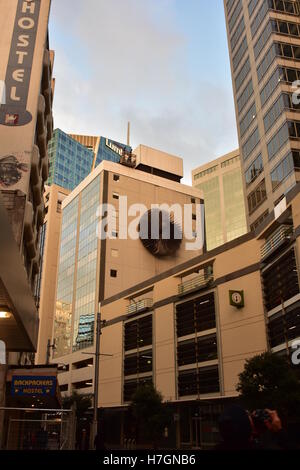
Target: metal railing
199, 282
139, 306
284, 232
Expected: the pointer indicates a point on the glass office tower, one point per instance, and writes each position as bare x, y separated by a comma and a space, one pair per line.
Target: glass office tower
264, 48
73, 156
222, 186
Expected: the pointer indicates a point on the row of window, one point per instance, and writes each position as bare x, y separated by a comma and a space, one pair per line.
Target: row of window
280, 75
285, 167
236, 13
286, 6
229, 162
250, 144
237, 34
240, 78
254, 170
245, 96
248, 119
206, 172
284, 327
289, 51
278, 140
260, 16
196, 315
275, 26
259, 220
257, 197
240, 53
252, 5
280, 280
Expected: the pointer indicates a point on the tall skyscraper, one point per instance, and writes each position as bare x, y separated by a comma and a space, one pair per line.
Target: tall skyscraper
72, 157
264, 47
222, 186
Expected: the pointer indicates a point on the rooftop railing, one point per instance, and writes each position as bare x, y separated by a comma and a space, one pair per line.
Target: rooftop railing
199, 282
283, 233
139, 306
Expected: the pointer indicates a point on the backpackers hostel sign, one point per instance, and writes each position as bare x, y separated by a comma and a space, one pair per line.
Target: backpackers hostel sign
31, 386
17, 81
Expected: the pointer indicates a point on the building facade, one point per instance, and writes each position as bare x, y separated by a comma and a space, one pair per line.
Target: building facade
91, 269
47, 278
221, 182
189, 331
264, 40
26, 126
72, 157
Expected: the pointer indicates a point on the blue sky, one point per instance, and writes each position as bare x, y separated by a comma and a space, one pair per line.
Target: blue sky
162, 64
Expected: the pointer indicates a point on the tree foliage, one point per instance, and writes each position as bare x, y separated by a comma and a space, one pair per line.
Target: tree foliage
150, 412
82, 403
269, 381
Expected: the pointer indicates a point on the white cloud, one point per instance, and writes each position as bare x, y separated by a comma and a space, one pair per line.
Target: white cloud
121, 60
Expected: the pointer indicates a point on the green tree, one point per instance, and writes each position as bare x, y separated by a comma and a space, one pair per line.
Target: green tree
82, 403
151, 414
269, 381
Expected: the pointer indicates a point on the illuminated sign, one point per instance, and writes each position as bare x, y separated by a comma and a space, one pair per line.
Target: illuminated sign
236, 298
22, 385
13, 112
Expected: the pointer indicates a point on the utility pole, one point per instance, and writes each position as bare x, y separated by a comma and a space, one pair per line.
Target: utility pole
96, 376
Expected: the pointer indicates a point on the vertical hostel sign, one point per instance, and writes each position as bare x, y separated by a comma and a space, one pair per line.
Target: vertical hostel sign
17, 81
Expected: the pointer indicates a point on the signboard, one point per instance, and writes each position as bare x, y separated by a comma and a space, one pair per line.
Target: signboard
236, 298
14, 112
22, 385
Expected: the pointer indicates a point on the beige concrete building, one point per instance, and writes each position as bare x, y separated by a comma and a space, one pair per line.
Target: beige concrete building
221, 182
190, 330
25, 128
47, 279
91, 269
264, 40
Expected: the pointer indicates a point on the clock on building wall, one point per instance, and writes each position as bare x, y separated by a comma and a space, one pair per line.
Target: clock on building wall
159, 233
236, 298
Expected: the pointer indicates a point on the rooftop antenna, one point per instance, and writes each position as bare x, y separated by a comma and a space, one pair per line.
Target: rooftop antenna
128, 134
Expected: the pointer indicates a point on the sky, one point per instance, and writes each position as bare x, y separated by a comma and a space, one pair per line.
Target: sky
163, 65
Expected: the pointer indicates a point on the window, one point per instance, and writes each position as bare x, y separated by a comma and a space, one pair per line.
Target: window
254, 170
236, 13
252, 5
198, 381
113, 273
242, 75
279, 139
250, 144
261, 15
197, 350
116, 178
237, 34
266, 62
203, 173
259, 220
196, 315
280, 280
229, 5
284, 327
193, 200
286, 6
278, 76
114, 253
285, 167
262, 40
248, 119
245, 96
257, 197
138, 333
138, 363
240, 53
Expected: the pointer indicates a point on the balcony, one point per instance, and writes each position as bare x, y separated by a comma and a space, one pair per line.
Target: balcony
200, 282
139, 306
282, 235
